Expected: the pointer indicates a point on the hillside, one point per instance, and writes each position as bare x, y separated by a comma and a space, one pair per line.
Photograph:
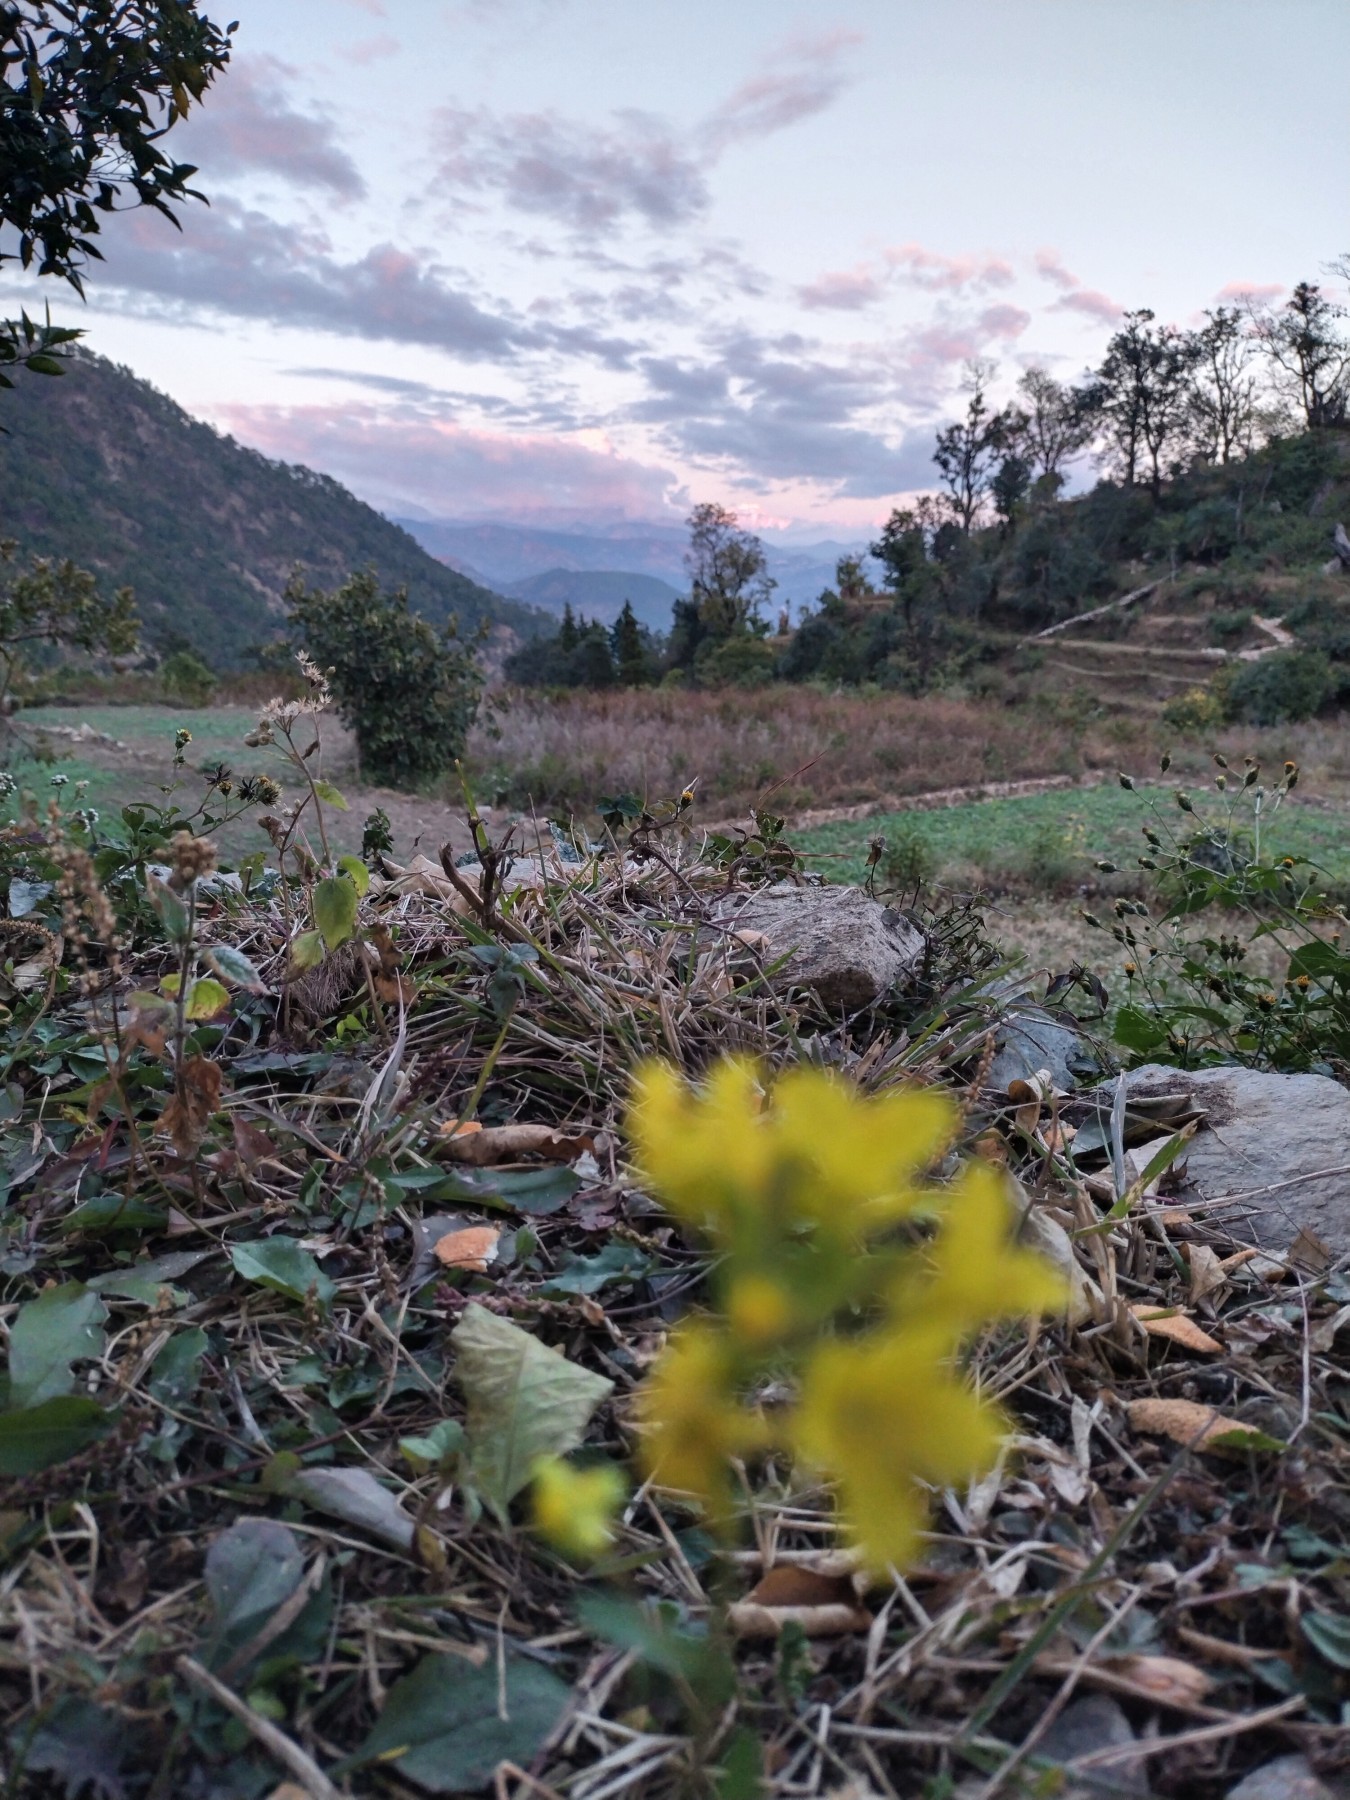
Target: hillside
101, 467
599, 594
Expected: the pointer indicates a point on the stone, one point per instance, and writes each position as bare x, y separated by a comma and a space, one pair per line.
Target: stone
1275, 1149
848, 948
1287, 1778
1030, 1040
1096, 1722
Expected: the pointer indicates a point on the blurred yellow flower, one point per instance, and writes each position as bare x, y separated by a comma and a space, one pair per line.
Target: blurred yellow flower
978, 1274
759, 1309
884, 1414
574, 1508
694, 1423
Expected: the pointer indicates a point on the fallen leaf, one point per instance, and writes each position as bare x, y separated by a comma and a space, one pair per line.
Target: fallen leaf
472, 1248
1041, 1232
1172, 1216
1176, 1327
456, 1128
508, 1143
747, 1620
357, 1498
1207, 1272
188, 1113
1165, 1679
1309, 1253
1199, 1427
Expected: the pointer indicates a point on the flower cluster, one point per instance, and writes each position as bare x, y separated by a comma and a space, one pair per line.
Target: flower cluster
840, 1272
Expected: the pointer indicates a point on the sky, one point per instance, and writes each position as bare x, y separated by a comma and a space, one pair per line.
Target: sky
588, 262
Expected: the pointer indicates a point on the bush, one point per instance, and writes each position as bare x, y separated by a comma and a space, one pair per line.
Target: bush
1196, 711
1228, 627
408, 692
184, 676
738, 662
1280, 688
910, 861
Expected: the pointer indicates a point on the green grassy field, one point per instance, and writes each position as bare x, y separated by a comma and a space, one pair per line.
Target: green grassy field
1043, 842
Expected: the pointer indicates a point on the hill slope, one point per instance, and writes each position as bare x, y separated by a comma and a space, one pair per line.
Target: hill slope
599, 594
101, 467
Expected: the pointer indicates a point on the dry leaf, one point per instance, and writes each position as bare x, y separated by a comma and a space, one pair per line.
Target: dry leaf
1176, 1327
822, 1605
1171, 1216
472, 1248
187, 1116
422, 876
1040, 1232
454, 1128
1184, 1421
508, 1143
1165, 1679
1207, 1272
1309, 1253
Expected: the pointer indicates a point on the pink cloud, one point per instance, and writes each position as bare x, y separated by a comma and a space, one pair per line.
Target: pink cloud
394, 459
251, 123
1249, 290
1091, 302
932, 270
805, 81
1050, 266
842, 290
370, 50
1004, 321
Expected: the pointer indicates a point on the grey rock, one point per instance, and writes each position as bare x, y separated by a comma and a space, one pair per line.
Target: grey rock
1093, 1723
1287, 1778
1030, 1040
1275, 1148
846, 947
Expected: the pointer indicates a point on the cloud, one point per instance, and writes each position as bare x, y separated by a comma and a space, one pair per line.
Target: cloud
371, 49
1254, 291
932, 270
842, 290
591, 178
1004, 321
250, 124
1050, 266
1074, 297
393, 459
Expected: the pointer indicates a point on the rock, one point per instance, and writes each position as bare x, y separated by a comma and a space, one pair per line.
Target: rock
1031, 1040
1287, 1778
1095, 1722
1275, 1148
847, 948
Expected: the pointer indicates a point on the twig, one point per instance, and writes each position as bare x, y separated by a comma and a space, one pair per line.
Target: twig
286, 1751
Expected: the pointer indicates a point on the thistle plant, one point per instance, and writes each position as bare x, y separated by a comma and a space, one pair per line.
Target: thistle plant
842, 1276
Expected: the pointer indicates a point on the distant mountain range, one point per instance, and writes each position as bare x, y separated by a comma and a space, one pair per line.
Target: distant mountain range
508, 557
597, 594
101, 467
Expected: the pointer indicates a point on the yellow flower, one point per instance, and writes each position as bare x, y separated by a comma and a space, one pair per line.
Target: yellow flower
693, 1421
882, 1415
758, 1309
574, 1508
977, 1273
700, 1153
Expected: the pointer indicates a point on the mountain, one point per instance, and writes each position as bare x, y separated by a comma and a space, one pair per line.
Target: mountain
598, 594
101, 467
508, 555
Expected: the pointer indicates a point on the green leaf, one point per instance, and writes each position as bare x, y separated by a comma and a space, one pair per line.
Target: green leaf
1329, 1635
588, 1274
524, 1401
447, 1726
233, 966
206, 998
51, 1433
282, 1264
330, 795
433, 1451
173, 915
357, 1498
359, 873
335, 904
306, 950
48, 1335
150, 1282
106, 1214
251, 1570
177, 1369
1137, 1030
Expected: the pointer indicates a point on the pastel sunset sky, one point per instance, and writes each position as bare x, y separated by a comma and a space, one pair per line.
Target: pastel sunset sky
592, 260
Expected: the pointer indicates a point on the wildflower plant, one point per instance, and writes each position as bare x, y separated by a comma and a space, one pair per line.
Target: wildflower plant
842, 1275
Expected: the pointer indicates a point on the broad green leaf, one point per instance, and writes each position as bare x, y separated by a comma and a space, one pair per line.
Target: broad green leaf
47, 1336
335, 904
233, 966
358, 872
283, 1264
330, 795
51, 1433
524, 1401
441, 1443
251, 1570
83, 1746
306, 951
447, 1726
177, 1369
173, 915
206, 998
588, 1274
1137, 1030
151, 1282
1329, 1635
106, 1214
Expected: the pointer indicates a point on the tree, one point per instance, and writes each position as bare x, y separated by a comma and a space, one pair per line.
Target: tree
1310, 353
409, 692
902, 551
967, 452
630, 653
56, 603
88, 88
1140, 396
1223, 390
1009, 489
568, 635
728, 573
1057, 424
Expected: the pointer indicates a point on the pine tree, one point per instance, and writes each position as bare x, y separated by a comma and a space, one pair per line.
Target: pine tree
628, 650
568, 635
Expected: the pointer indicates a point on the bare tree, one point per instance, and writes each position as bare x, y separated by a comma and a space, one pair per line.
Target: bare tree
1309, 352
1056, 425
1224, 386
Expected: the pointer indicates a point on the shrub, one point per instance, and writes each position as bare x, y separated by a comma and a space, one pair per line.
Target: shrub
184, 676
909, 861
1196, 711
407, 691
1228, 627
1285, 686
